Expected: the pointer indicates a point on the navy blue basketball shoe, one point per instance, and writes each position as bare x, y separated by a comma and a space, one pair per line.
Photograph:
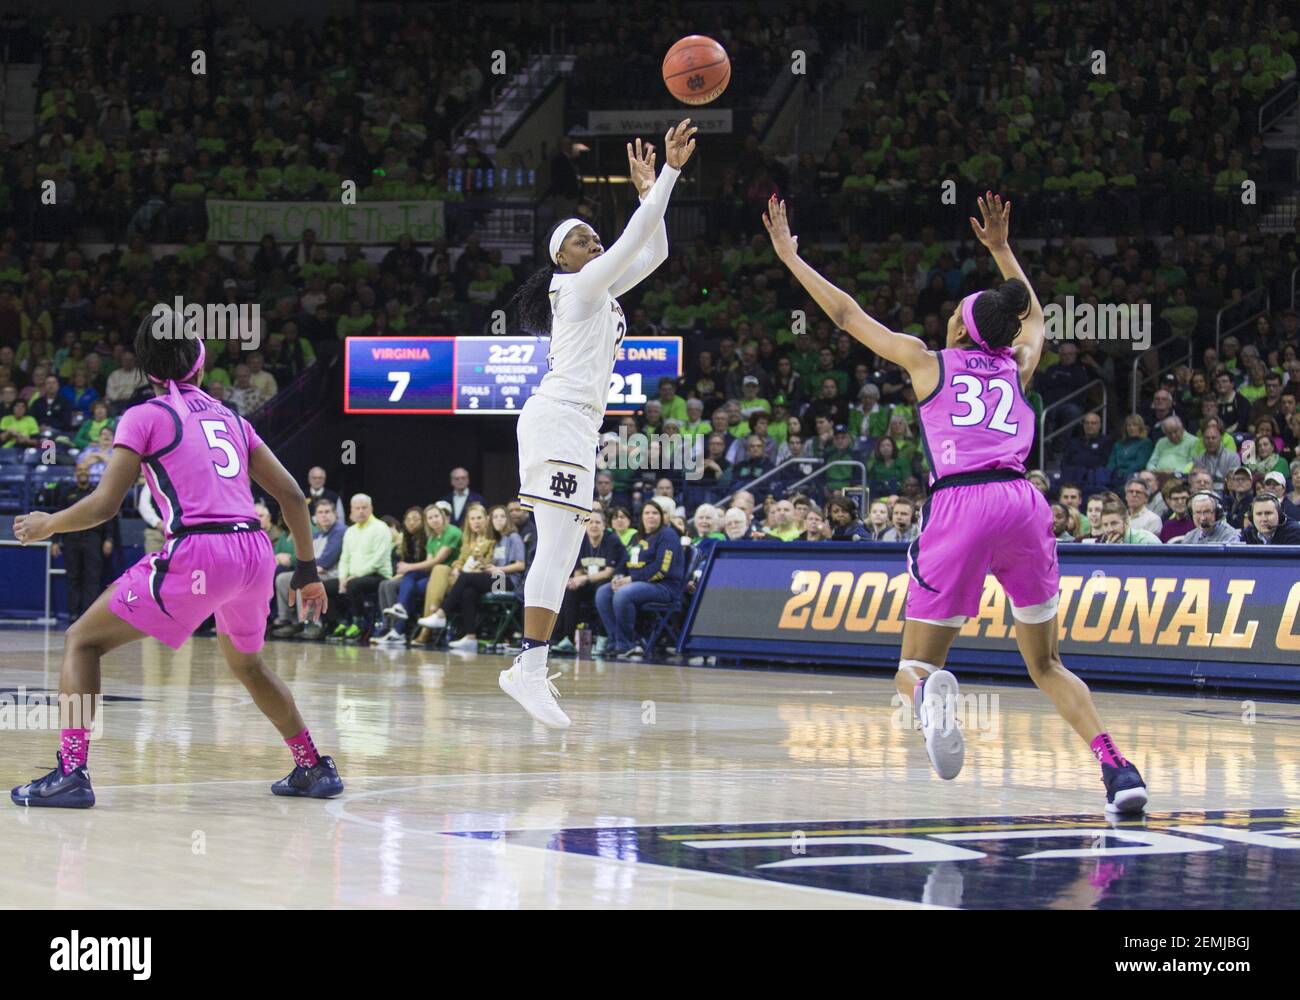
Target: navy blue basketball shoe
1126, 792
321, 781
57, 790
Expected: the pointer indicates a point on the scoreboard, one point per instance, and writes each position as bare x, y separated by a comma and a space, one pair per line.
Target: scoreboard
485, 374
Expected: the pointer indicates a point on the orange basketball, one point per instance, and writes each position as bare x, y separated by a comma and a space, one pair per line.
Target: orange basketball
696, 69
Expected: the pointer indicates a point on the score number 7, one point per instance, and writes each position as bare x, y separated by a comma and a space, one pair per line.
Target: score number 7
402, 380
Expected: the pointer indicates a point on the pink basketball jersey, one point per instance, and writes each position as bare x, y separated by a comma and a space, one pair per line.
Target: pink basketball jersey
977, 418
197, 469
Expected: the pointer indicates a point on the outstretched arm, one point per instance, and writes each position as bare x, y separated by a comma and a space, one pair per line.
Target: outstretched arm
994, 235
597, 278
641, 167
843, 310
120, 475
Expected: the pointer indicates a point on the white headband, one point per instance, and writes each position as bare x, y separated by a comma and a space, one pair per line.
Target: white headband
561, 231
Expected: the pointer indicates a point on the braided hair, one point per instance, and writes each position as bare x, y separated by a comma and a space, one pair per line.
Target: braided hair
531, 303
998, 312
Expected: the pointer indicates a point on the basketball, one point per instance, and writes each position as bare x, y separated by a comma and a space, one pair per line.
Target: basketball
696, 70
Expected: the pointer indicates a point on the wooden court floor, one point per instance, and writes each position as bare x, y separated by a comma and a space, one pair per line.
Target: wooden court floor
677, 787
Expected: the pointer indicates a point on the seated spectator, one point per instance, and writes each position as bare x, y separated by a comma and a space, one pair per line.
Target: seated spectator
1116, 530
444, 547
754, 464
781, 524
1175, 451
89, 429
620, 520
1239, 494
405, 589
498, 568
715, 469
327, 543
841, 477
842, 515
1178, 521
365, 561
815, 528
886, 469
1211, 528
1072, 496
903, 517
1269, 525
79, 394
50, 410
1218, 457
1063, 520
1131, 452
94, 459
1086, 454
877, 521
600, 558
1155, 499
655, 574
1139, 516
1265, 458
18, 429
735, 524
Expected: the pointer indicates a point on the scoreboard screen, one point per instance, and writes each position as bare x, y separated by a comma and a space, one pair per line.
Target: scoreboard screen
485, 374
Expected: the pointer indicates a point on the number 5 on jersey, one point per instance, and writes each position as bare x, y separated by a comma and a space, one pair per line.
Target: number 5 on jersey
211, 428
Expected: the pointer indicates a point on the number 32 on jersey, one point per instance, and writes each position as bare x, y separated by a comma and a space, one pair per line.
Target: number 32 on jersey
972, 393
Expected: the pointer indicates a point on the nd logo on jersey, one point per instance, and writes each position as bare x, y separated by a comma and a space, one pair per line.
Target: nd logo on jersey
564, 484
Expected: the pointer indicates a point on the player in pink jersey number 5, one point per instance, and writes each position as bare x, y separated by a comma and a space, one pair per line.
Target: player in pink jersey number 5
197, 457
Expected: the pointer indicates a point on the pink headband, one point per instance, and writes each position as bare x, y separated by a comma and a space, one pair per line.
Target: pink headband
174, 385
968, 320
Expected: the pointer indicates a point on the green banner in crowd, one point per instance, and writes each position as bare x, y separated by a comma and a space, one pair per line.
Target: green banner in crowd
372, 222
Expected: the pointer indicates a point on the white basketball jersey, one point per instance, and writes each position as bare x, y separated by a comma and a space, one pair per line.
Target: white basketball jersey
581, 358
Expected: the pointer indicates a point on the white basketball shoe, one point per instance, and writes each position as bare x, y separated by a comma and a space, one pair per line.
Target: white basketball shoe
937, 712
526, 682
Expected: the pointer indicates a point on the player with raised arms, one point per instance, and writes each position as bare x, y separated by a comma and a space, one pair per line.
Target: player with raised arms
197, 457
574, 302
983, 516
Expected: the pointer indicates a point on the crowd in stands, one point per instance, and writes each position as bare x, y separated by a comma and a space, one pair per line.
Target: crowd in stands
1100, 117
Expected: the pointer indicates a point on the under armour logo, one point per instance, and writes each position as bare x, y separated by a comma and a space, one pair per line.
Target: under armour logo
564, 484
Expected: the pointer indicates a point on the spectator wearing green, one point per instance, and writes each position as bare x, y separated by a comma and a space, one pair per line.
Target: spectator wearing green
886, 469
355, 322
840, 477
868, 418
695, 426
1259, 81
1228, 181
1132, 452
1088, 178
1180, 315
1177, 451
674, 407
750, 402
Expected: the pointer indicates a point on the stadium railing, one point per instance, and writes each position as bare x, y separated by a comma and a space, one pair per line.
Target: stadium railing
288, 407
861, 488
1103, 407
1135, 394
1256, 302
1277, 106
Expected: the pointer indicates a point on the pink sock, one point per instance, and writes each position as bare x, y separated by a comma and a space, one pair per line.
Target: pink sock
74, 747
1104, 749
303, 749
